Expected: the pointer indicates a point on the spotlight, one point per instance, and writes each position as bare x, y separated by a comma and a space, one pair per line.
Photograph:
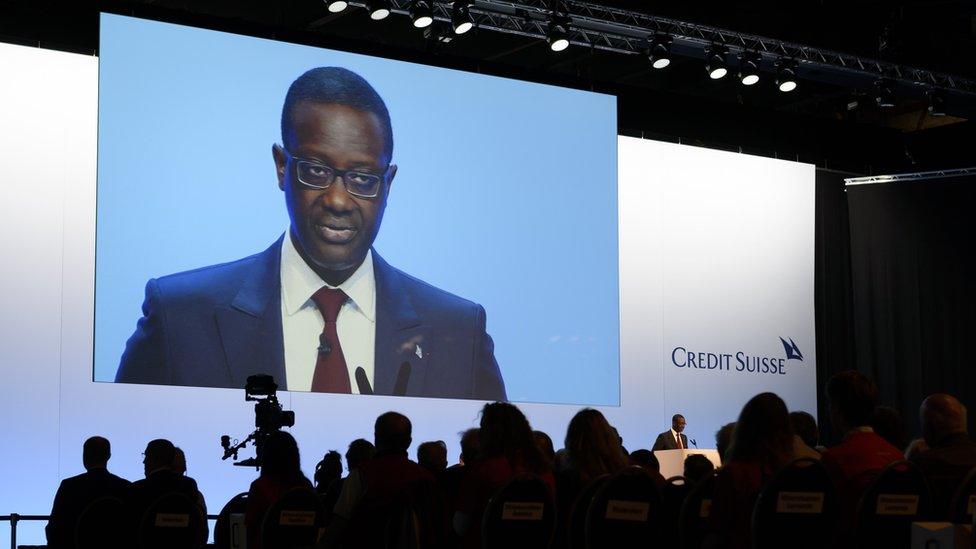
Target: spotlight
335, 6
421, 13
558, 35
461, 17
659, 52
883, 95
378, 9
936, 103
786, 76
715, 62
749, 65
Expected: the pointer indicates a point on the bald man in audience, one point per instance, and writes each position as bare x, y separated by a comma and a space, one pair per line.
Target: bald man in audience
951, 454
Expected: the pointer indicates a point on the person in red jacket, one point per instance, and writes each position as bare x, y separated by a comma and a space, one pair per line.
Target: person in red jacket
372, 493
862, 454
281, 470
508, 448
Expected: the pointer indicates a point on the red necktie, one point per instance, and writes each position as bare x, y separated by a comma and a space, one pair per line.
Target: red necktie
331, 375
680, 446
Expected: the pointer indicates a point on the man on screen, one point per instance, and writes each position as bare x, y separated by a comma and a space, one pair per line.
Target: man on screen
319, 310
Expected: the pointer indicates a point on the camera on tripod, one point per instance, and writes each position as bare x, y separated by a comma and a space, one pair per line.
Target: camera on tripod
269, 417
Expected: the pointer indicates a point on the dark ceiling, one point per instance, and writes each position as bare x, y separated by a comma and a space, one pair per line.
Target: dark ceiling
816, 123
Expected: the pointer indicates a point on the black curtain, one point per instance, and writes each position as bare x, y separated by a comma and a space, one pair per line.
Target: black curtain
913, 288
833, 293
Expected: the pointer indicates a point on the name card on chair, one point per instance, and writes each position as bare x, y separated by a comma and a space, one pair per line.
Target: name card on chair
297, 518
522, 510
800, 502
897, 504
706, 508
627, 510
172, 520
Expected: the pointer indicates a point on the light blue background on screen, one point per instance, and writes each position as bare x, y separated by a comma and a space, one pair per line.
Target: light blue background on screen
506, 192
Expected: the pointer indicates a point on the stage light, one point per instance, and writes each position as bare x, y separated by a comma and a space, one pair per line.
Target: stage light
749, 65
558, 35
378, 9
715, 62
335, 6
936, 103
421, 13
883, 95
659, 52
461, 17
786, 76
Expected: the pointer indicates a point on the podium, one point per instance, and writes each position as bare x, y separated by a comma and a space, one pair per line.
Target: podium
673, 461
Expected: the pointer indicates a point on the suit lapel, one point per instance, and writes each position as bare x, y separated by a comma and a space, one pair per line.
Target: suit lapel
250, 328
401, 335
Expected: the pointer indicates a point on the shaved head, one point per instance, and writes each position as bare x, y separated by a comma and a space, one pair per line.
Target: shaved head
942, 415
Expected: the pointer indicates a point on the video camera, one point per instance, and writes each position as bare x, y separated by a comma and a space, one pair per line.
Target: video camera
269, 417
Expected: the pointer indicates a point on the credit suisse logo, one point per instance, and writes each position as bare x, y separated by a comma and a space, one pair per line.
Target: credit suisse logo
771, 363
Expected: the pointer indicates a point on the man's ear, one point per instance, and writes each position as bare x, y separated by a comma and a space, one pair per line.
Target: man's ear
389, 180
281, 163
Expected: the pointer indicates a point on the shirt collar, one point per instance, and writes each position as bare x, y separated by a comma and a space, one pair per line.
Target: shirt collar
674, 433
299, 282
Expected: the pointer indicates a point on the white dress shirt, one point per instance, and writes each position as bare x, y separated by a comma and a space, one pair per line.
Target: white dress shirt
677, 439
302, 323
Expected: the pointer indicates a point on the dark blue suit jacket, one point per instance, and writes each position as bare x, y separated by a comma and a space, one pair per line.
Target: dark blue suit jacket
215, 326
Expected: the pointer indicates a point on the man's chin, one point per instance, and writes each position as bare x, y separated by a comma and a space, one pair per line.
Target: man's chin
338, 264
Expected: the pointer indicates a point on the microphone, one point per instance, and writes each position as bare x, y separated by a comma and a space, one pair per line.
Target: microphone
363, 382
691, 440
400, 387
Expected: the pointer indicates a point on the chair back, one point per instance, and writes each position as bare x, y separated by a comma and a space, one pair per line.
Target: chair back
797, 508
292, 521
418, 517
899, 496
673, 494
98, 524
172, 522
521, 514
625, 512
576, 525
225, 534
695, 512
962, 509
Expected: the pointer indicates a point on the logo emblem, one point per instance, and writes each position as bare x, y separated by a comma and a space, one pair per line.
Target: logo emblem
792, 351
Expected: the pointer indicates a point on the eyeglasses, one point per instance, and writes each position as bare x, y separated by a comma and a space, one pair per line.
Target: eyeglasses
316, 175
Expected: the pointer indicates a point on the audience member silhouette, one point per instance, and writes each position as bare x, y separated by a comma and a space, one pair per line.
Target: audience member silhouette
160, 480
862, 454
544, 442
508, 448
698, 468
179, 467
592, 449
762, 442
281, 471
359, 450
76, 493
328, 471
432, 455
951, 454
889, 425
371, 491
723, 437
805, 435
452, 477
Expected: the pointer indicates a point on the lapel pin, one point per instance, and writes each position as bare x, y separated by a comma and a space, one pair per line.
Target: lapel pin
418, 351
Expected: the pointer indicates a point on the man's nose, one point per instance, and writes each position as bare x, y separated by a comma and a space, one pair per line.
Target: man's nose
335, 197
